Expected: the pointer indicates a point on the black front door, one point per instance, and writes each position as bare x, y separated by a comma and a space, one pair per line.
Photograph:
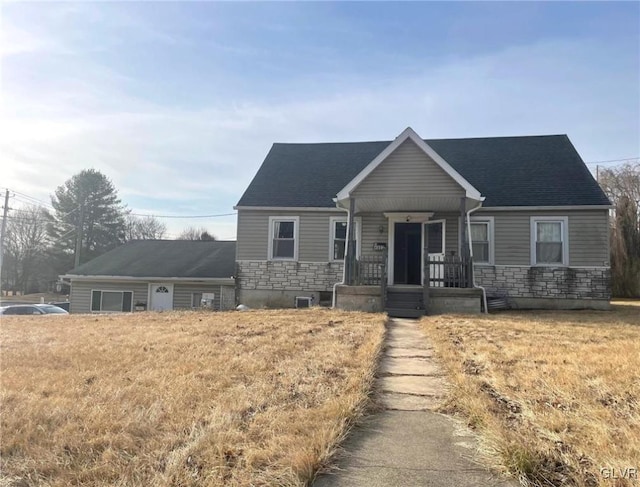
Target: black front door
407, 253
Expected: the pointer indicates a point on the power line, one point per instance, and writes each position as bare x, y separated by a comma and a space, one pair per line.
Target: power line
23, 195
31, 198
611, 161
183, 216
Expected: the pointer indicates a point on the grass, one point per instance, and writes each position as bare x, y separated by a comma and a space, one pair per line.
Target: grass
183, 398
554, 395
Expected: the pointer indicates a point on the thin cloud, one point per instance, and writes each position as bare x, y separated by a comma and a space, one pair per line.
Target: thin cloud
200, 157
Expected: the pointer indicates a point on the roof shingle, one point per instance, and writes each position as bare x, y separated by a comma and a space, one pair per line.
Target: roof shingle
164, 258
509, 171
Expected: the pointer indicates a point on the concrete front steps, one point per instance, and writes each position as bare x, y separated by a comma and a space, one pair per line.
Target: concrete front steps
408, 301
405, 301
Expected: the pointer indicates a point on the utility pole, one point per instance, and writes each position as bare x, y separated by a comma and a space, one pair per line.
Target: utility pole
2, 232
79, 235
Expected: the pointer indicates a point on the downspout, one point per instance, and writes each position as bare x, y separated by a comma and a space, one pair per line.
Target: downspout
344, 267
473, 272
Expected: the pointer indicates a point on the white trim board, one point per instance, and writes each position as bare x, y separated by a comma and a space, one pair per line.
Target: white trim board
410, 134
564, 230
329, 209
358, 233
296, 237
545, 208
180, 280
490, 220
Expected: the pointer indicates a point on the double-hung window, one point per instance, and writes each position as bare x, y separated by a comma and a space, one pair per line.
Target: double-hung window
283, 238
338, 237
482, 240
549, 241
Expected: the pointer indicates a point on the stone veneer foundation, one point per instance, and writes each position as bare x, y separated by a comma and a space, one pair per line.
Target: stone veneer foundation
593, 283
277, 283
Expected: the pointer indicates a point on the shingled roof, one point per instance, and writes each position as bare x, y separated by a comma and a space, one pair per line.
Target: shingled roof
541, 170
164, 258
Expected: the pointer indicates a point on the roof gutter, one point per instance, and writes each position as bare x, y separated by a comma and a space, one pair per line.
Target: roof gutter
473, 272
344, 267
210, 280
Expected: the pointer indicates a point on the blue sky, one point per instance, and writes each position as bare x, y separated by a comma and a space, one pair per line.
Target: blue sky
178, 103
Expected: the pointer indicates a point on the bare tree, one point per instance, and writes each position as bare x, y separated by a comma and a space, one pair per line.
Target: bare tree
622, 186
25, 248
144, 228
192, 233
621, 181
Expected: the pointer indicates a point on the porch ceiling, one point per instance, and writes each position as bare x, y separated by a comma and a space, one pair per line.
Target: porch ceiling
400, 203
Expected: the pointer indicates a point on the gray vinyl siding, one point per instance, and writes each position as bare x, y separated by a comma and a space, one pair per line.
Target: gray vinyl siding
373, 222
588, 236
80, 296
314, 232
182, 294
409, 172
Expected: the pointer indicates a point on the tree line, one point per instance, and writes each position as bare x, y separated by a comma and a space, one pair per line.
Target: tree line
89, 219
86, 219
622, 186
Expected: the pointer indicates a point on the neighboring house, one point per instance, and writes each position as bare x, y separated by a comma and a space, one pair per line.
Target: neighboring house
156, 275
520, 216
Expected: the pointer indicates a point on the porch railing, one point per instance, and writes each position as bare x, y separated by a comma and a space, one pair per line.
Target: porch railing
450, 271
370, 270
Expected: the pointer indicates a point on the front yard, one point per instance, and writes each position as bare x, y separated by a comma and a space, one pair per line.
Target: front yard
554, 395
183, 398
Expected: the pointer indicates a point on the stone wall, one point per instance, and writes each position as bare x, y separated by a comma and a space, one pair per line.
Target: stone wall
545, 282
276, 283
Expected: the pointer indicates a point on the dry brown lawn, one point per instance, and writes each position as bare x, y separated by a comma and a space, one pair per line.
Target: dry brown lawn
555, 395
181, 398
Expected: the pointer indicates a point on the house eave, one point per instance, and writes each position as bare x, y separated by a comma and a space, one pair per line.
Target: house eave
286, 208
209, 280
546, 208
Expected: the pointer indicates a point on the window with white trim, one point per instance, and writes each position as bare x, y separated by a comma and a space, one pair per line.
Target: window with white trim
338, 237
283, 238
482, 240
549, 241
114, 301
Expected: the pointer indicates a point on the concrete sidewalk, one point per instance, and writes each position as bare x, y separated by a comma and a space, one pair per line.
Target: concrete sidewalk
407, 444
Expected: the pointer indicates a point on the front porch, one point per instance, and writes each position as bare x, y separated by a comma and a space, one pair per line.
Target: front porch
413, 210
448, 288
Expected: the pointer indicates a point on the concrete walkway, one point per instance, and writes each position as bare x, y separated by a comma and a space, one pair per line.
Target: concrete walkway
407, 444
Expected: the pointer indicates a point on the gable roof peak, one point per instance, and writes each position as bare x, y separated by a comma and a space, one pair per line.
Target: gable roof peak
407, 134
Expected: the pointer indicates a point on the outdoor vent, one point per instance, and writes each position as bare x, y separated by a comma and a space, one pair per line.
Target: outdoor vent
303, 301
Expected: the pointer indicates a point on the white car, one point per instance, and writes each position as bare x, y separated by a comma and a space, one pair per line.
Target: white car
32, 309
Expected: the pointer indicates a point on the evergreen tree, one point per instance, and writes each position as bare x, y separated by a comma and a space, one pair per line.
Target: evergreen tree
85, 205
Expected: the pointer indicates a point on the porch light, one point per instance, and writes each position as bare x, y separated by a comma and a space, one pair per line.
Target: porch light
408, 219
